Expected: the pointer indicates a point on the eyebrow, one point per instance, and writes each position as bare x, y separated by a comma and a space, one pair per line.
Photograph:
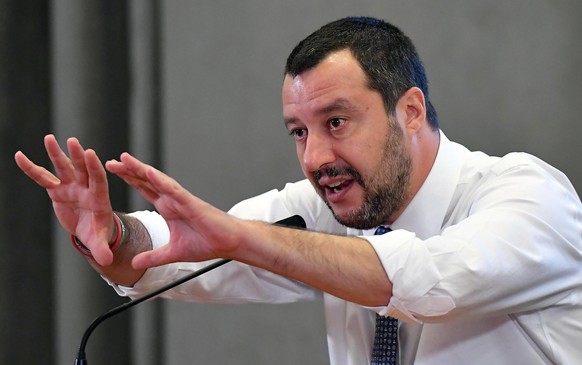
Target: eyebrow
340, 104
336, 105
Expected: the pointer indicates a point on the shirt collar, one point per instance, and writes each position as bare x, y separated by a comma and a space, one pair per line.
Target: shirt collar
426, 212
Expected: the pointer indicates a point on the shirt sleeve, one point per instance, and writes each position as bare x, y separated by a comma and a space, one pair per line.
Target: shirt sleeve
414, 274
233, 282
511, 244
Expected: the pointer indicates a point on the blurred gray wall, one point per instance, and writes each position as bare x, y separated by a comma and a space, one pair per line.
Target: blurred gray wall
197, 84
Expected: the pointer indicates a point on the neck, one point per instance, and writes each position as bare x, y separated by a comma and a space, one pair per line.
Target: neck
424, 147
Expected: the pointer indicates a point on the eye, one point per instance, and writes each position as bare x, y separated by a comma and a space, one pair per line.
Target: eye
336, 123
298, 133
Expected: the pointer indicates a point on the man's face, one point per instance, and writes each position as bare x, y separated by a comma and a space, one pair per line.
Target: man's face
353, 153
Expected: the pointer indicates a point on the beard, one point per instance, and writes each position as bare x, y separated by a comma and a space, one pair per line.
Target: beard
385, 192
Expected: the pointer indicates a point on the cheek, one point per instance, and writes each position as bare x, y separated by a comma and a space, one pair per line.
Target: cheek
300, 152
363, 158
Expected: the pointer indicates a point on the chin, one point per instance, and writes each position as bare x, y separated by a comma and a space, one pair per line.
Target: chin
361, 217
351, 218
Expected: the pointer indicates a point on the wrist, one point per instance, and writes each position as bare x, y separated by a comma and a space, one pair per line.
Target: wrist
119, 238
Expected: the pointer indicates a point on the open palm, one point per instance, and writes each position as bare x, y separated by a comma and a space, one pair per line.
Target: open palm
79, 193
198, 231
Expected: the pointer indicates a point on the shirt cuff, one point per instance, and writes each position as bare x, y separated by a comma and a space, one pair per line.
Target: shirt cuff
154, 277
414, 276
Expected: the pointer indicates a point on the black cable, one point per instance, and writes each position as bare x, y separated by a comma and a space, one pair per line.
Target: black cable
293, 221
81, 360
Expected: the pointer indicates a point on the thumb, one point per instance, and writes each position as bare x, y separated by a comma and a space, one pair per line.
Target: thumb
157, 257
102, 255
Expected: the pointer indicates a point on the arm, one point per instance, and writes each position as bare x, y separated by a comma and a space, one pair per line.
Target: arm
80, 197
346, 267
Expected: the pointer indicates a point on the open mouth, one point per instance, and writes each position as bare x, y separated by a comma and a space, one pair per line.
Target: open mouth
336, 191
335, 182
336, 187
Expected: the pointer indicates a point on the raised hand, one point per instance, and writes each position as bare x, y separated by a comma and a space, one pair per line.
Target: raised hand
198, 230
79, 192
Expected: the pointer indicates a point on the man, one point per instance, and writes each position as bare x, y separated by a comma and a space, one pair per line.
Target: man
483, 263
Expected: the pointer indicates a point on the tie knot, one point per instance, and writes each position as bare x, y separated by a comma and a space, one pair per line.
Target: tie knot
381, 230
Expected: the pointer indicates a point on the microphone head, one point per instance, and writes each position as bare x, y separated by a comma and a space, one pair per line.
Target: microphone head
293, 221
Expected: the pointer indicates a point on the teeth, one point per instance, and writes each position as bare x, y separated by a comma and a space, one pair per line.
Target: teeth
335, 186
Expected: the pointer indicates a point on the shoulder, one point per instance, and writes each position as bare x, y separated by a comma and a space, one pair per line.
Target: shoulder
521, 180
527, 169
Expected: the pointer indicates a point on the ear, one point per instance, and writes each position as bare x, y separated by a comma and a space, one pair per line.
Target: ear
412, 108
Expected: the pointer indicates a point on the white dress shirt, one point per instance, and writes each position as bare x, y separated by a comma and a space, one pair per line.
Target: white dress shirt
486, 266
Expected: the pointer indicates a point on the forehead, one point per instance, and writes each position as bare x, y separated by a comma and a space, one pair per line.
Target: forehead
338, 76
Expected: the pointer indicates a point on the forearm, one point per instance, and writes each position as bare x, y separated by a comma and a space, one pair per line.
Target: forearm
137, 240
346, 267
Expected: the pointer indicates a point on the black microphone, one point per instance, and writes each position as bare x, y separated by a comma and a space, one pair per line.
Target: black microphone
293, 221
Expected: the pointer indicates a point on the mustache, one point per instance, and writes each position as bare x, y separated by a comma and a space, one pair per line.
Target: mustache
333, 171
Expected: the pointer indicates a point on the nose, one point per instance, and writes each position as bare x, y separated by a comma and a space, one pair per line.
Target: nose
318, 151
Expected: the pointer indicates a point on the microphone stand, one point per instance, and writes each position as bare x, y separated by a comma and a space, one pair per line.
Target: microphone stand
293, 221
81, 359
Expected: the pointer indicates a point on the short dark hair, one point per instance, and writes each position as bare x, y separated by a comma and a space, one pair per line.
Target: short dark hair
387, 56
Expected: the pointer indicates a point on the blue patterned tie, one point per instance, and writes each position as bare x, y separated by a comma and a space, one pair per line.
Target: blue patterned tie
385, 349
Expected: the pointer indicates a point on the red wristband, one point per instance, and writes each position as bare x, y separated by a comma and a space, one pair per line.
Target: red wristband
119, 238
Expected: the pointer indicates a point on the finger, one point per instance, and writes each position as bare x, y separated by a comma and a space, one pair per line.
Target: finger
159, 183
38, 174
98, 239
102, 254
115, 167
137, 175
136, 171
134, 166
63, 166
165, 185
97, 178
157, 257
143, 186
77, 156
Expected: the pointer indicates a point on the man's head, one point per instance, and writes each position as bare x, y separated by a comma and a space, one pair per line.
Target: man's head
386, 55
361, 129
